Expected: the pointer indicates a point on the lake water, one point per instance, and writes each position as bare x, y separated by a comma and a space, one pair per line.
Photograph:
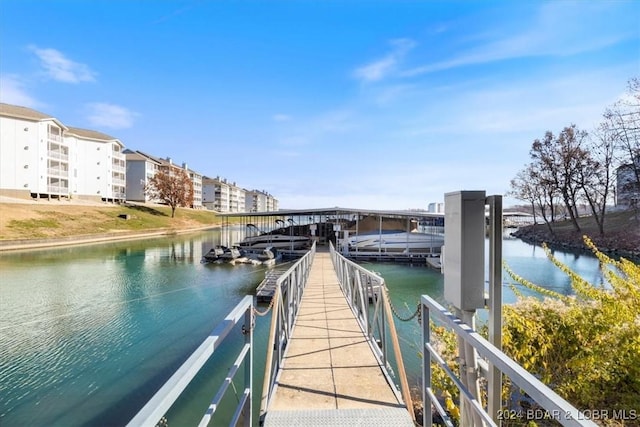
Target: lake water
89, 333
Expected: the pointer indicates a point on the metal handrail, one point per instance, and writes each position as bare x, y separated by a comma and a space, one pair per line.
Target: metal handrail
367, 296
555, 407
284, 309
160, 403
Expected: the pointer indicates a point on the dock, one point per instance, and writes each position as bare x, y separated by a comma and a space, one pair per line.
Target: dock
267, 288
330, 375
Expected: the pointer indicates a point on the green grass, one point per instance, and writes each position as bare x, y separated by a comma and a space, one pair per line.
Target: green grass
34, 228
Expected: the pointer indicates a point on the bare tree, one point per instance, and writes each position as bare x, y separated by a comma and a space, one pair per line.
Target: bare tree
596, 174
559, 159
533, 185
173, 186
523, 188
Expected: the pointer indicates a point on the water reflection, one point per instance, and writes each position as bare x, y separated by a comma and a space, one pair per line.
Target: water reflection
86, 329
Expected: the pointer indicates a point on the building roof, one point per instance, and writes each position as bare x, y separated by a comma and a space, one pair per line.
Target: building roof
91, 134
139, 155
19, 112
418, 215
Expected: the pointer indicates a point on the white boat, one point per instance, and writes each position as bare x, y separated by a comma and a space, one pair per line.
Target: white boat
278, 241
395, 241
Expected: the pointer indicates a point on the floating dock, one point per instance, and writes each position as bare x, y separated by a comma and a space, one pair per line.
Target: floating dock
398, 257
267, 288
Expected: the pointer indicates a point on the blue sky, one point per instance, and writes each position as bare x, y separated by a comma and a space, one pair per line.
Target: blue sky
359, 104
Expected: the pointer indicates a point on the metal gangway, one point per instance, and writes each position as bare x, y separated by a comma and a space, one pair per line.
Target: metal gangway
328, 363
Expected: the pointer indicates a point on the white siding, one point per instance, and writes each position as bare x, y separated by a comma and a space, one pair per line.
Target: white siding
18, 154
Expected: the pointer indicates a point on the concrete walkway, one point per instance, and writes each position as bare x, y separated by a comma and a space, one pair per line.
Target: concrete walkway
330, 372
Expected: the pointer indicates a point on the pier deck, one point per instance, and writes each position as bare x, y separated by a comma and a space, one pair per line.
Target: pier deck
330, 375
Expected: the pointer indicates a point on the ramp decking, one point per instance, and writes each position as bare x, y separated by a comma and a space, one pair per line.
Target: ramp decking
330, 375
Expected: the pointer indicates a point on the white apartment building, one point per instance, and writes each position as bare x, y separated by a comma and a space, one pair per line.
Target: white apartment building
215, 194
222, 196
260, 201
237, 198
98, 165
140, 168
196, 180
42, 158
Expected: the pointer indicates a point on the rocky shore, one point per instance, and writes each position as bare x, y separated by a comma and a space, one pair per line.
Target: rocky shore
622, 243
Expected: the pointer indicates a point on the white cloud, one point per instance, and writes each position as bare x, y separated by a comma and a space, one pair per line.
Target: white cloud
557, 29
62, 69
385, 66
12, 91
110, 116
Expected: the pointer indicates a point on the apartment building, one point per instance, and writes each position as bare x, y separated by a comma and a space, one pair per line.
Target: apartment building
627, 185
260, 201
222, 196
40, 157
237, 197
141, 167
98, 165
196, 180
215, 194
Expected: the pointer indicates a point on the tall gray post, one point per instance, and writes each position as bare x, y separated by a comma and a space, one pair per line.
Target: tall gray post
494, 379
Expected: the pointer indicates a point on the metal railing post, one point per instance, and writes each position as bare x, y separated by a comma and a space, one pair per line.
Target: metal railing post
494, 377
427, 418
248, 368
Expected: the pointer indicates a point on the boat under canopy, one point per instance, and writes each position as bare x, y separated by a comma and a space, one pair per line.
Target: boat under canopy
395, 241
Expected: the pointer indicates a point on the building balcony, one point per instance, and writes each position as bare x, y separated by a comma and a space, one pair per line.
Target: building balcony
54, 138
58, 172
57, 189
58, 155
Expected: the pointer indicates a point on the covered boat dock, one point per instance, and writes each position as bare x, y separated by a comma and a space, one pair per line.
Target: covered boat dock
337, 224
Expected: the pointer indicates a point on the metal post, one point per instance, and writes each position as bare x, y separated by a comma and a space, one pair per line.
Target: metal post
427, 418
248, 366
380, 236
495, 303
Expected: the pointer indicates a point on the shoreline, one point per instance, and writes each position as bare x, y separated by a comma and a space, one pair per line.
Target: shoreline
573, 243
27, 244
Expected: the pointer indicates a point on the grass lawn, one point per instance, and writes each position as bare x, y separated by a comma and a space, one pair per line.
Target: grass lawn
48, 220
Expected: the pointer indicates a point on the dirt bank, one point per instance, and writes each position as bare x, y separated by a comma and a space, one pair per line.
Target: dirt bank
621, 236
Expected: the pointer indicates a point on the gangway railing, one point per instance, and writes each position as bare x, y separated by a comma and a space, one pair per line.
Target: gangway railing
160, 403
368, 298
284, 307
553, 406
